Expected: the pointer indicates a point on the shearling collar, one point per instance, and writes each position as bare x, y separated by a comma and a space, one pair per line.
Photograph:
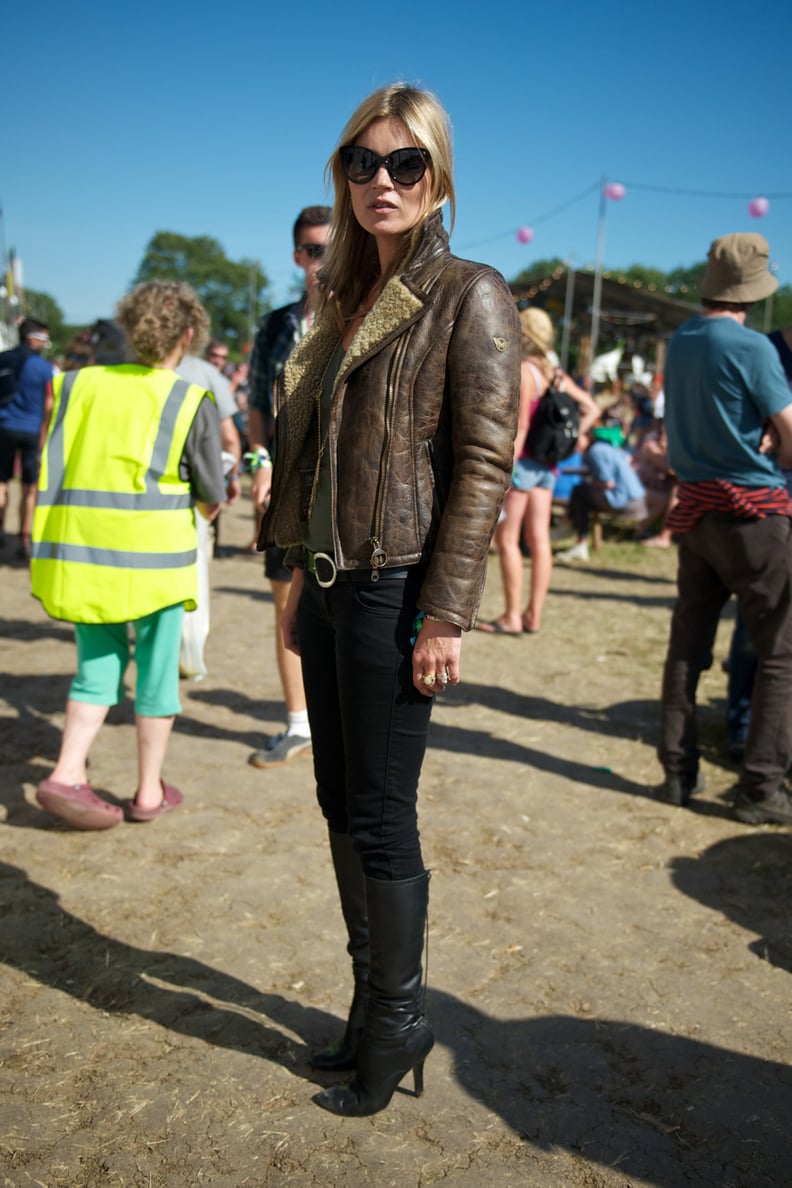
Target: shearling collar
400, 303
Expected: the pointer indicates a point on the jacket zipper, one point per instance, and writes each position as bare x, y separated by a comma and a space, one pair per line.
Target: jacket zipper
379, 556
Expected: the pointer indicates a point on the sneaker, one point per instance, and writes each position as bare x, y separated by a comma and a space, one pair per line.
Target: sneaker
283, 748
272, 742
578, 552
679, 787
773, 810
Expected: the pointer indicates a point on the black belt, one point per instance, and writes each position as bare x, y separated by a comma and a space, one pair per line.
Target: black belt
322, 567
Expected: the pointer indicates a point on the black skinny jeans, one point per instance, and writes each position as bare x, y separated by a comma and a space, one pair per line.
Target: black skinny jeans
369, 724
722, 555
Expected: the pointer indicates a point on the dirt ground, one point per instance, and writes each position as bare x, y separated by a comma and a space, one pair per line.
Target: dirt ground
609, 977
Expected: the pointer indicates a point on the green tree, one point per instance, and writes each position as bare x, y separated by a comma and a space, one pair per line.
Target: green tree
684, 282
646, 276
781, 310
233, 292
44, 307
540, 268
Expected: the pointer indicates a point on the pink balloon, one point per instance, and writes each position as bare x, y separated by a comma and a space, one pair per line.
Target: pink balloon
525, 235
615, 191
758, 208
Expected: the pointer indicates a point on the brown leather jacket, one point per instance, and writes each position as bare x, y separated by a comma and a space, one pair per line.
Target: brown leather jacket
421, 433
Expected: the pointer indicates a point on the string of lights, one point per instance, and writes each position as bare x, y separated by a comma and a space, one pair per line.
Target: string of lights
541, 218
525, 234
742, 195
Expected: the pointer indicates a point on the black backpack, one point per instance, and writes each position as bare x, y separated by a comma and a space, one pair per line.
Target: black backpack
554, 428
11, 364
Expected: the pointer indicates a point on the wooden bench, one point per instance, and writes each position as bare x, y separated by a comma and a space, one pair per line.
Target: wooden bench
598, 520
615, 519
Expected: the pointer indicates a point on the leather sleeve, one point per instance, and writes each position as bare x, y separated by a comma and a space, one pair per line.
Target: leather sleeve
483, 387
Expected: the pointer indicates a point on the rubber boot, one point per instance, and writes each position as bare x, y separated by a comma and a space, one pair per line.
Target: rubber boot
352, 892
397, 1037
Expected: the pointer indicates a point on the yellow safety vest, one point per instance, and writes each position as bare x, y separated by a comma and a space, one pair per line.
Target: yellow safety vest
113, 533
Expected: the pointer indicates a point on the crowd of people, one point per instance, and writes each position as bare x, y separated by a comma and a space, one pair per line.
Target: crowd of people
385, 420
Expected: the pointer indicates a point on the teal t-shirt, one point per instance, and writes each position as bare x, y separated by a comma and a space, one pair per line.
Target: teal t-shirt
722, 382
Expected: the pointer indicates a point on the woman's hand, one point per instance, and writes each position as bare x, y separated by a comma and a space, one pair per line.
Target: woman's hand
288, 623
261, 487
436, 654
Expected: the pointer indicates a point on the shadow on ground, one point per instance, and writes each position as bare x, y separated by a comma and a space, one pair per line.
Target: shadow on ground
59, 950
658, 1107
749, 880
654, 1106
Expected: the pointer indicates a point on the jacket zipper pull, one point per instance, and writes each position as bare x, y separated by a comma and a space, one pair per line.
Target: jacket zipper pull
378, 558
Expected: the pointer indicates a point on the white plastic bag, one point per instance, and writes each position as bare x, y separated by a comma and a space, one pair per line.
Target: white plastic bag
195, 624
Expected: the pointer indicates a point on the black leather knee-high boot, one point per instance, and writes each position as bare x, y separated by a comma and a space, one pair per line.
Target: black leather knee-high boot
352, 891
397, 1037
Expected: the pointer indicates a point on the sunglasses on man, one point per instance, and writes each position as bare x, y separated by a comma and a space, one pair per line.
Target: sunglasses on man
314, 251
405, 166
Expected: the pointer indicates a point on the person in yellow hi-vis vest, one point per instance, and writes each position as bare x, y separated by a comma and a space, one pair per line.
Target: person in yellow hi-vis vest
131, 450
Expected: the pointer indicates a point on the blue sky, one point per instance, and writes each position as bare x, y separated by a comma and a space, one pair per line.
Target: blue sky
124, 120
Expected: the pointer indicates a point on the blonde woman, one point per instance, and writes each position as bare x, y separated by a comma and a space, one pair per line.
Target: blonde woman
131, 449
529, 501
394, 435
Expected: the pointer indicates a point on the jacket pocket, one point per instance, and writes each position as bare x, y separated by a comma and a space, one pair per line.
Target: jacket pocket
439, 493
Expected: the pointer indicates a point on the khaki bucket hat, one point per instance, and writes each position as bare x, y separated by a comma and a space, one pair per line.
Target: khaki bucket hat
737, 269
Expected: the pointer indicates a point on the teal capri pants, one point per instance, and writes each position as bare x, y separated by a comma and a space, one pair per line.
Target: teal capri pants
103, 656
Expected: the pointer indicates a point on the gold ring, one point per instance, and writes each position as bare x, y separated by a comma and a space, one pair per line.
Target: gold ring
428, 679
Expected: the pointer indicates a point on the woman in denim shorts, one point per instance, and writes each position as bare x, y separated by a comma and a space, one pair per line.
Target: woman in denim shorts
529, 501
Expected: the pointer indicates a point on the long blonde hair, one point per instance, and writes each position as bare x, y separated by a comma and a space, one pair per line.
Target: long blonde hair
537, 338
352, 264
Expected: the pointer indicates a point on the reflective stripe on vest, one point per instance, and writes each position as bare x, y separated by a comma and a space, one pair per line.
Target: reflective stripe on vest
87, 555
152, 499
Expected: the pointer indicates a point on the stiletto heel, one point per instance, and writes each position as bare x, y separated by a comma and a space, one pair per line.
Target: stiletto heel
418, 1079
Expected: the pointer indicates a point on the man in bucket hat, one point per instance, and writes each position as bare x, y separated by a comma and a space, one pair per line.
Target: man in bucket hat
728, 417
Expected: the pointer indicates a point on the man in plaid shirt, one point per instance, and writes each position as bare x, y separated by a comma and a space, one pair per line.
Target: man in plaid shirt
277, 335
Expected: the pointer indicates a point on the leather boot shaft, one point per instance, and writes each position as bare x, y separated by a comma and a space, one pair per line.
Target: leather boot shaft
352, 893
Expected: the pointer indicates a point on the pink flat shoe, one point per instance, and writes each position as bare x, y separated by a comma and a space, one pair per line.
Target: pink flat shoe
172, 798
78, 805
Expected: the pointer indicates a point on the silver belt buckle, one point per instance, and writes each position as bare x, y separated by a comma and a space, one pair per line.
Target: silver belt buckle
325, 584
